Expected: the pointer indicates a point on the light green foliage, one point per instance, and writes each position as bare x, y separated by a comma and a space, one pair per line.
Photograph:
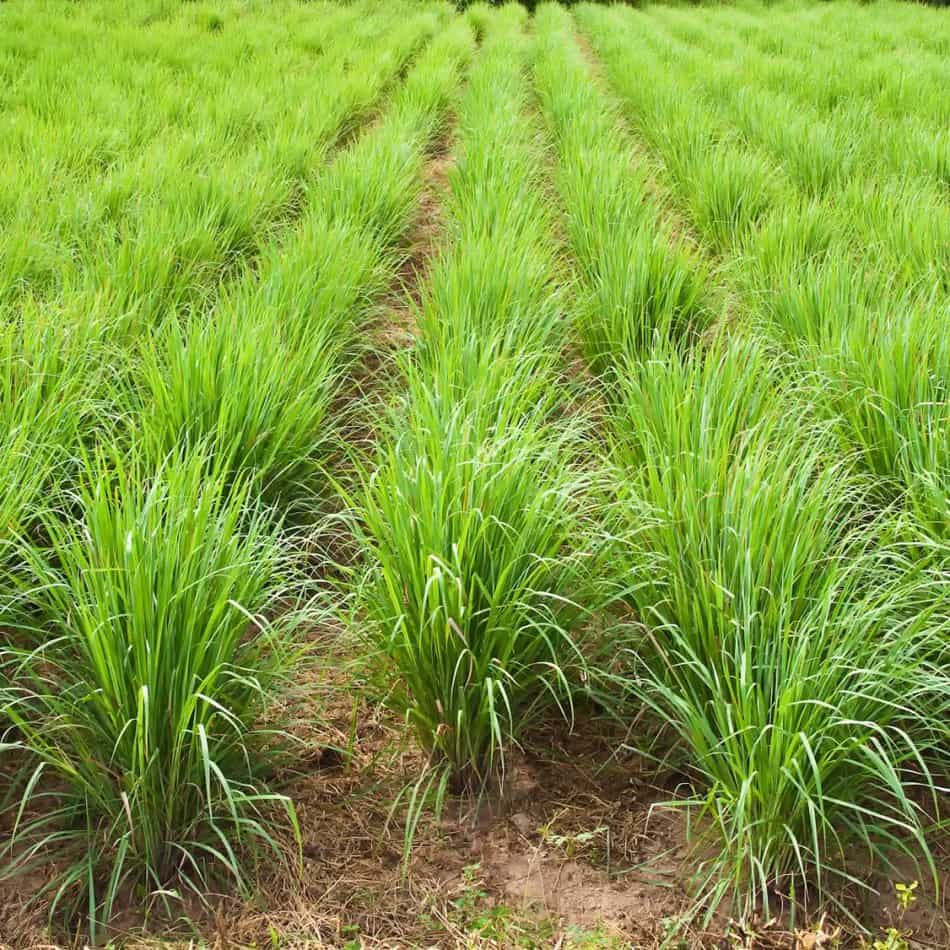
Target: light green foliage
772, 645
724, 230
265, 410
473, 511
176, 154
472, 518
783, 479
642, 284
139, 711
46, 407
151, 592
887, 379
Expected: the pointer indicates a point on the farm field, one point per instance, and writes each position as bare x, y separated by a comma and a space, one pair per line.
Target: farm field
474, 478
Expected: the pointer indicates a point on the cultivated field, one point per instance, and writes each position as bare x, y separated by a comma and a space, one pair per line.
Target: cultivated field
474, 479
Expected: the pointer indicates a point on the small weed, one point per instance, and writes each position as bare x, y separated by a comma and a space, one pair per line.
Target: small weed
906, 898
474, 912
895, 937
570, 844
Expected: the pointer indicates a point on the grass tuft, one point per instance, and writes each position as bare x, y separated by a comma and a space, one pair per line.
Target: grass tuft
773, 647
139, 717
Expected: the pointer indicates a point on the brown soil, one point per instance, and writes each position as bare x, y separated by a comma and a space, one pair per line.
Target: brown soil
397, 328
392, 329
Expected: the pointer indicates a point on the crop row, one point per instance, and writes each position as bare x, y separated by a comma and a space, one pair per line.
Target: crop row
157, 194
158, 596
774, 626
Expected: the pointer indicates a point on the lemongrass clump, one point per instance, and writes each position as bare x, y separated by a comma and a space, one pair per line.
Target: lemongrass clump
140, 717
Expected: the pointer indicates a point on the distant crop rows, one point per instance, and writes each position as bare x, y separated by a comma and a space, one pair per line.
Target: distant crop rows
668, 442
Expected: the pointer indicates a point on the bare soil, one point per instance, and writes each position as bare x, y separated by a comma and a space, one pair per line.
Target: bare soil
397, 328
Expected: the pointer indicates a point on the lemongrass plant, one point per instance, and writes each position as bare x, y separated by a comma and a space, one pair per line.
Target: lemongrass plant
772, 643
474, 523
48, 376
886, 379
140, 718
263, 411
160, 196
638, 281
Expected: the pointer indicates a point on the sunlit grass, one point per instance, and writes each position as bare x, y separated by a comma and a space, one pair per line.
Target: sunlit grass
266, 411
152, 596
736, 219
887, 380
162, 193
783, 561
139, 715
772, 643
639, 283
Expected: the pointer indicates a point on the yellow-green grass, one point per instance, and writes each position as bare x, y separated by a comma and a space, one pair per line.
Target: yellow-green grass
724, 228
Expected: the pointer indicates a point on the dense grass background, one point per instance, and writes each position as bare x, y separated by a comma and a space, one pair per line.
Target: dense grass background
668, 439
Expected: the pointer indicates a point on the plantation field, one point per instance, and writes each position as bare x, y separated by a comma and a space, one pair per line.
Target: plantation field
474, 478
